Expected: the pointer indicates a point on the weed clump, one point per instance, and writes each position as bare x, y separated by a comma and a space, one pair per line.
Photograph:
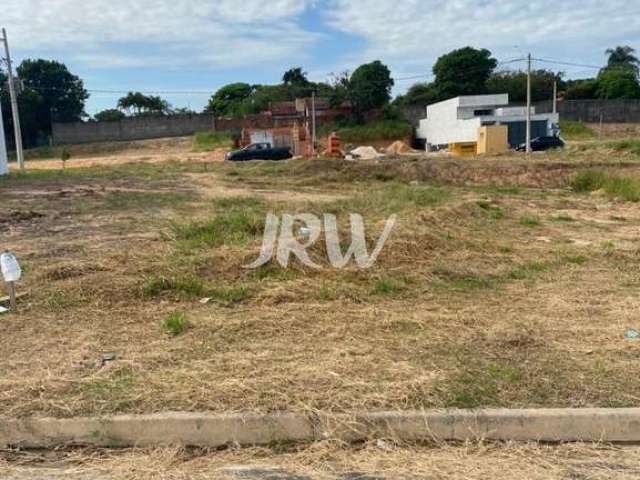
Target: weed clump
615, 186
175, 324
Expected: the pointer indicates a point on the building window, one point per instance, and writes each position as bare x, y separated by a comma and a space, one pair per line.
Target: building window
482, 113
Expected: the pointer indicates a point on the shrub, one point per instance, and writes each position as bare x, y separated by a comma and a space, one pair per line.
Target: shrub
204, 141
381, 130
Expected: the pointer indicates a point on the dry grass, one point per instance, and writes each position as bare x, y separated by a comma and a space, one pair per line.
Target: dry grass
485, 295
329, 460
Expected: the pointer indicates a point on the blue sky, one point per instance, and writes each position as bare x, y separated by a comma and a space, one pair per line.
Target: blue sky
198, 46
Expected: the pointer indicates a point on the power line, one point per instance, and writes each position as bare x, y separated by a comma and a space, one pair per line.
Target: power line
209, 92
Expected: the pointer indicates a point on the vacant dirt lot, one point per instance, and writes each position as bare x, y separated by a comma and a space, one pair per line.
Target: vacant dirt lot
500, 286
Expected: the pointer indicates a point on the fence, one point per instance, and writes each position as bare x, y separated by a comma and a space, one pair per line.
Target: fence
140, 128
592, 111
135, 128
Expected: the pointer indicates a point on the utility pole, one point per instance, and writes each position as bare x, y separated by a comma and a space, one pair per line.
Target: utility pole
14, 102
313, 121
528, 136
4, 163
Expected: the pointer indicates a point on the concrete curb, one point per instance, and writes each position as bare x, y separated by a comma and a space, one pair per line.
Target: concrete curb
216, 430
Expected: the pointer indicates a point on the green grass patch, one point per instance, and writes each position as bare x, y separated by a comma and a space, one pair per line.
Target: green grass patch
123, 200
188, 286
493, 211
271, 272
237, 221
463, 281
563, 217
576, 130
615, 186
229, 295
175, 323
628, 145
389, 198
231, 228
390, 286
239, 203
530, 269
575, 259
482, 388
119, 383
530, 221
206, 141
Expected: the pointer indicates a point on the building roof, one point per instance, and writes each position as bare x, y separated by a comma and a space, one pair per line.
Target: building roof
491, 100
283, 108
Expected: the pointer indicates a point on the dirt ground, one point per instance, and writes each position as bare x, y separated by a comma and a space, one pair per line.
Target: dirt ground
500, 286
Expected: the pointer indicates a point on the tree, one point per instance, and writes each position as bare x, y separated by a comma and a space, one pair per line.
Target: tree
142, 104
370, 87
109, 115
423, 93
51, 93
296, 77
623, 57
230, 100
515, 84
463, 72
583, 89
617, 83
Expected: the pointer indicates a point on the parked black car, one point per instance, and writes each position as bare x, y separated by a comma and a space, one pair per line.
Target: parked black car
540, 144
259, 151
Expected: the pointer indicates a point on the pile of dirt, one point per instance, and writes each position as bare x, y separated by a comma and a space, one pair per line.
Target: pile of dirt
365, 153
399, 148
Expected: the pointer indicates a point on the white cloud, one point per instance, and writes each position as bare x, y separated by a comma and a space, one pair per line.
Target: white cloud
154, 32
407, 34
411, 34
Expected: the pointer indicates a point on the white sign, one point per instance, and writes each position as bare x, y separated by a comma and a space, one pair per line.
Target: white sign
11, 271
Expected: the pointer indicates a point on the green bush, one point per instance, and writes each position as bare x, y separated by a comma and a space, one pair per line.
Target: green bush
381, 130
205, 141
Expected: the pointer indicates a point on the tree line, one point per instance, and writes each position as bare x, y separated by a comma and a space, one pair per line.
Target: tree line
470, 71
49, 92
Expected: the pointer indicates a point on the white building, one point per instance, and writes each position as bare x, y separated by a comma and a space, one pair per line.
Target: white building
457, 120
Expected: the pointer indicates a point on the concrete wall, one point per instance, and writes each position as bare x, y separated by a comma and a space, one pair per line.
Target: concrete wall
138, 128
443, 125
589, 111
